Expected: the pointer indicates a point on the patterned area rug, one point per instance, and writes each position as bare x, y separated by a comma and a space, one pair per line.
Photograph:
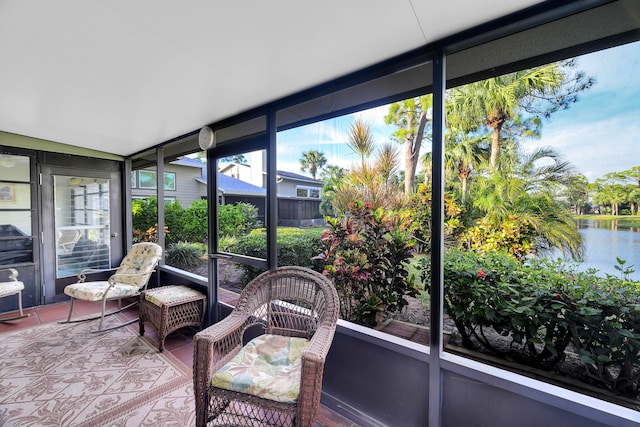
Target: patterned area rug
64, 375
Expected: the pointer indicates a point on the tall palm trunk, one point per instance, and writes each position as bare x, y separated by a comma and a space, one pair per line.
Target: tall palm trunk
412, 153
495, 143
463, 175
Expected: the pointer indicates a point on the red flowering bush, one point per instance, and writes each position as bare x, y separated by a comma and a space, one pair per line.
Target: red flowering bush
365, 253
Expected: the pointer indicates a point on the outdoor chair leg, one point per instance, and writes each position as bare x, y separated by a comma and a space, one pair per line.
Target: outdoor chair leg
102, 315
20, 310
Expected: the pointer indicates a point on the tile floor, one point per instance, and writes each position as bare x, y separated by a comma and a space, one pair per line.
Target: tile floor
178, 343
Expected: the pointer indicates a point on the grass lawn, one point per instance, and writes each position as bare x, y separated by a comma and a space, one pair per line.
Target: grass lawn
622, 218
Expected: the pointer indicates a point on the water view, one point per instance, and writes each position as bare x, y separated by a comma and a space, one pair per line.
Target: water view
607, 239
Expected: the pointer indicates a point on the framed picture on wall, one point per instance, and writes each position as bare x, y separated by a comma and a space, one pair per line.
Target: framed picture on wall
7, 193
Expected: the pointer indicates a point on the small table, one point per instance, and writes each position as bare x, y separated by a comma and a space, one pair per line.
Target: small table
169, 308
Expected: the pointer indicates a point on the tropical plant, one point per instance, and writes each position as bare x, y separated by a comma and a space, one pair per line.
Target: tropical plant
500, 103
312, 161
144, 213
148, 235
420, 210
464, 154
331, 178
185, 255
373, 182
365, 253
523, 197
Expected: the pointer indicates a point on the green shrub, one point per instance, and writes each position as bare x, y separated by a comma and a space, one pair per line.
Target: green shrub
185, 255
144, 214
295, 246
238, 219
145, 217
173, 219
542, 309
195, 223
419, 209
366, 253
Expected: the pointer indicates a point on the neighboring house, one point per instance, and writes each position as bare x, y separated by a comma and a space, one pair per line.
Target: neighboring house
299, 200
186, 181
298, 195
180, 181
232, 191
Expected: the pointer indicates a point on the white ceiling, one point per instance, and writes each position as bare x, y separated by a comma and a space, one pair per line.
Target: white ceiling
122, 75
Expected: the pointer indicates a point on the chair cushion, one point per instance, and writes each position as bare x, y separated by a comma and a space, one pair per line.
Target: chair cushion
10, 288
136, 267
269, 366
169, 294
94, 291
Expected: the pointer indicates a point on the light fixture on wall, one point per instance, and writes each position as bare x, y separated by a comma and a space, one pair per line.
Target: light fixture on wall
206, 138
7, 162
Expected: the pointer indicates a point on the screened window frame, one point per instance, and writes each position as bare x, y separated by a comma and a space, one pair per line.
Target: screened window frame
466, 62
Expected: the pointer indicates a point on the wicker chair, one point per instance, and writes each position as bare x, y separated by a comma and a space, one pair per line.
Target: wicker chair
287, 304
129, 279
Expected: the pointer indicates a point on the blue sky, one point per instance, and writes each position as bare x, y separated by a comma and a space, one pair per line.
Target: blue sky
601, 132
598, 134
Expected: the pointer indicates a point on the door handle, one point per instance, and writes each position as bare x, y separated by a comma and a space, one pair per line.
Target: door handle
114, 234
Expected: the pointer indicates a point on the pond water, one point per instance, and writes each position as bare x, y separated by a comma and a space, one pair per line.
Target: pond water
607, 239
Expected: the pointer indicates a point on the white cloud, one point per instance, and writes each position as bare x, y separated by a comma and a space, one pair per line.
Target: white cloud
596, 148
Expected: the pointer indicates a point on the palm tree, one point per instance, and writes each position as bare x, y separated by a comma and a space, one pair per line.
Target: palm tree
463, 155
331, 177
497, 102
312, 161
527, 192
412, 117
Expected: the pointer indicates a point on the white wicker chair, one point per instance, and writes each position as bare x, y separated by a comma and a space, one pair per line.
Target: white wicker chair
12, 287
130, 278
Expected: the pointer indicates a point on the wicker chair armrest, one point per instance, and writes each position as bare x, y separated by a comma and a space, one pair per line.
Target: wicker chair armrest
313, 359
223, 336
212, 347
320, 343
13, 274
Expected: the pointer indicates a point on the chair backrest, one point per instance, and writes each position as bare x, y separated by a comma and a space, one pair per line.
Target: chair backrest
65, 239
136, 267
290, 301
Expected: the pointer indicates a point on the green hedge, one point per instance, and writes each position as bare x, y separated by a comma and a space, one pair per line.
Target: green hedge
296, 246
544, 310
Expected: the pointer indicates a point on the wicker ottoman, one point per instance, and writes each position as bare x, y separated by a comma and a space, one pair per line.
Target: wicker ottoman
170, 308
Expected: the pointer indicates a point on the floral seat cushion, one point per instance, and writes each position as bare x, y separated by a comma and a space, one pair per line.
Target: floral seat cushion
269, 366
94, 291
10, 288
170, 294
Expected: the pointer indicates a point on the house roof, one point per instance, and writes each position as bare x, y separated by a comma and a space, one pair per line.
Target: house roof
188, 161
298, 177
122, 76
230, 185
